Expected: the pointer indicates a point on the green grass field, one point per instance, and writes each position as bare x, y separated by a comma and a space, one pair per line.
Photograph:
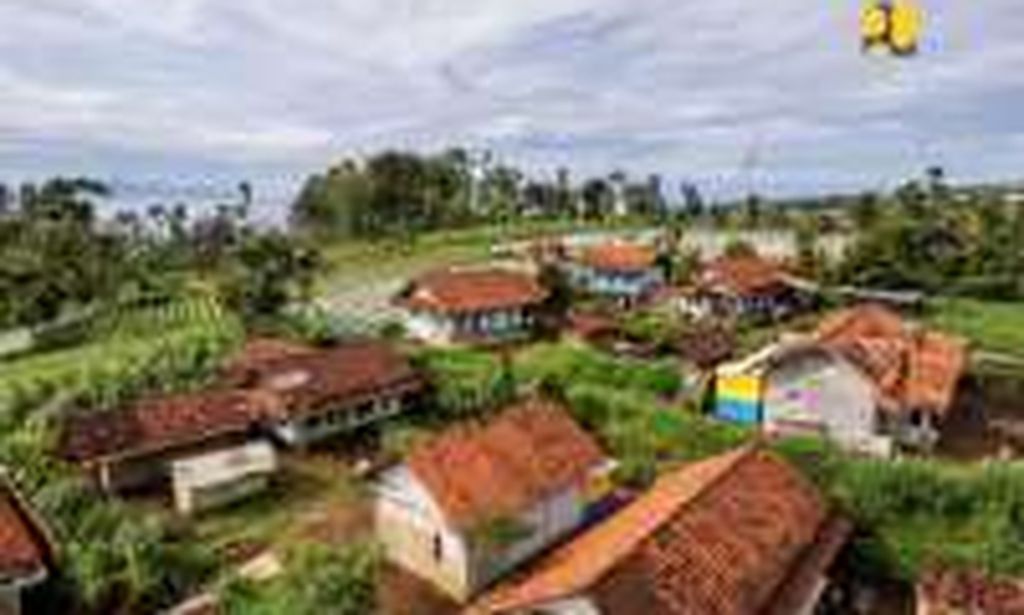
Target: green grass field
121, 348
989, 325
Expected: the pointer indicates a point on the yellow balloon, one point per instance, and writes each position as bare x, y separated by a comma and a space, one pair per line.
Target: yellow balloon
905, 23
874, 21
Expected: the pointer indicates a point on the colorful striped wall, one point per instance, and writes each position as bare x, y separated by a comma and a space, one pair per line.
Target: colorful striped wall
738, 399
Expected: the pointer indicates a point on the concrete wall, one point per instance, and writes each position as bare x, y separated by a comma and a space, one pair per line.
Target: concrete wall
616, 284
315, 427
410, 527
437, 328
10, 600
815, 388
549, 521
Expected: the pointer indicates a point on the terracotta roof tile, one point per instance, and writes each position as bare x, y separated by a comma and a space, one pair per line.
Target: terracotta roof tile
24, 548
478, 471
472, 290
267, 380
259, 352
717, 536
911, 367
745, 275
618, 256
156, 424
305, 383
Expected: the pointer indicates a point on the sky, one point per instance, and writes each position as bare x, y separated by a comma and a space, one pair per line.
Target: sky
773, 96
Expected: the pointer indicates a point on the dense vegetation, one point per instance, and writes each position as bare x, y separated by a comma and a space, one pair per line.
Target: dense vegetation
931, 238
316, 580
121, 352
400, 193
60, 258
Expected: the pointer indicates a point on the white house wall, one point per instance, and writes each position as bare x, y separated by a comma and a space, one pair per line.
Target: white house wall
549, 521
817, 388
408, 524
439, 328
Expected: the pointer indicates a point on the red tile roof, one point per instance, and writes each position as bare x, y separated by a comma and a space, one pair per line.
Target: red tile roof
157, 424
617, 256
267, 380
912, 368
307, 383
472, 291
479, 471
724, 535
743, 275
945, 592
24, 548
259, 352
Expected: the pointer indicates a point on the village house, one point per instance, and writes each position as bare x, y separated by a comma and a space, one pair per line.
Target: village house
627, 272
26, 551
318, 393
293, 394
472, 306
482, 498
133, 447
738, 533
743, 286
865, 379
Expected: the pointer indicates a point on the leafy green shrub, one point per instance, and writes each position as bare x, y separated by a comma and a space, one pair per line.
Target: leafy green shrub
466, 381
317, 579
568, 365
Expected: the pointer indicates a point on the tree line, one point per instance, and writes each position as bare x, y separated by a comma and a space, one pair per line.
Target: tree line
929, 236
398, 192
59, 256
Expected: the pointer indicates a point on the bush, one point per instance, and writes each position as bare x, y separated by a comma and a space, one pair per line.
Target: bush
317, 579
568, 365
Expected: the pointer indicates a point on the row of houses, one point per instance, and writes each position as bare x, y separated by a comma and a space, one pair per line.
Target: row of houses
742, 532
222, 439
499, 305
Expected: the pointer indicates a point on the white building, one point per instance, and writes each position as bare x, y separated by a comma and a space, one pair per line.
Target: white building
624, 271
473, 504
318, 393
866, 380
472, 305
222, 477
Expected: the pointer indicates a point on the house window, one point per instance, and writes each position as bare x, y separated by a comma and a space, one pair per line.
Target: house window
438, 548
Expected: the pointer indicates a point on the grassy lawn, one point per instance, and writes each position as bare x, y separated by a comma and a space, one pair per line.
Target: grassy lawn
314, 497
352, 261
989, 325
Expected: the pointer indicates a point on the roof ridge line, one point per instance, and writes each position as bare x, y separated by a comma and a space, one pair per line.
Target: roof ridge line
737, 456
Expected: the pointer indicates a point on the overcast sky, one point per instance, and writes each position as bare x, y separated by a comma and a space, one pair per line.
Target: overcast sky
773, 95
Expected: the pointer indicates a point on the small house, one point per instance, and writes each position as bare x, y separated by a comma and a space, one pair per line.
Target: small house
474, 503
219, 478
295, 394
133, 447
26, 552
318, 393
738, 533
743, 286
865, 379
627, 272
471, 306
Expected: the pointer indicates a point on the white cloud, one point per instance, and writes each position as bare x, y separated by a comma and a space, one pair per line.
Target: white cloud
684, 88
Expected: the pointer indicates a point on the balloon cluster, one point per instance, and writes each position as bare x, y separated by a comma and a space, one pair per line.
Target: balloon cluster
893, 26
